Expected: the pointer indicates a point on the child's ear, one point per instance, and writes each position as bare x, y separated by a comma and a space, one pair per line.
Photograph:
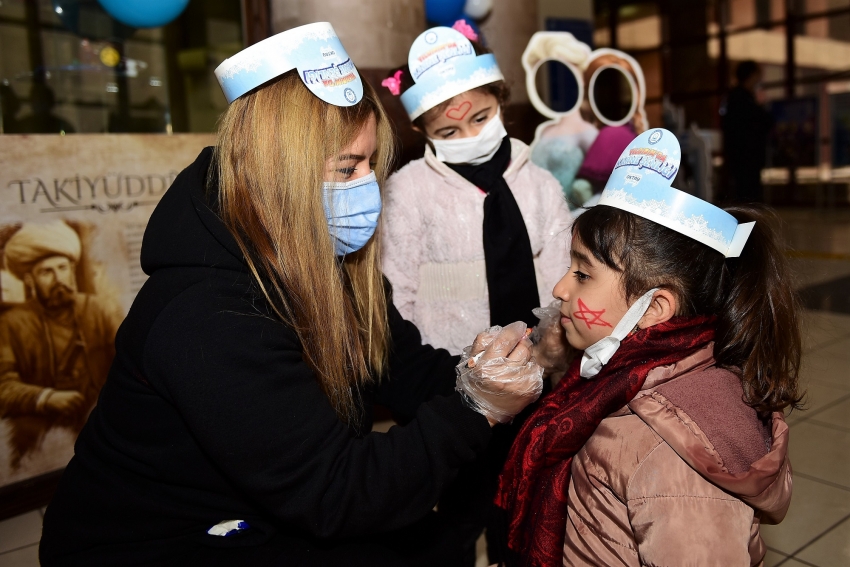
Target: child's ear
662, 308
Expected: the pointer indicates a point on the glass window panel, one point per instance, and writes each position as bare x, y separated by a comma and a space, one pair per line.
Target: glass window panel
638, 26
67, 66
765, 46
654, 114
818, 6
640, 33
763, 12
602, 37
839, 105
12, 9
777, 9
839, 27
652, 73
741, 14
817, 51
773, 80
815, 27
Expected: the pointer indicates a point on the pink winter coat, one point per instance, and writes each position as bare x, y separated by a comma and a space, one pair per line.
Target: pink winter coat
683, 475
433, 250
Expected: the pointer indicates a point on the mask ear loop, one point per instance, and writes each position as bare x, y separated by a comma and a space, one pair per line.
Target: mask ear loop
599, 353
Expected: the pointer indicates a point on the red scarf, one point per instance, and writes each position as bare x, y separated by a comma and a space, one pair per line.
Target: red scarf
533, 485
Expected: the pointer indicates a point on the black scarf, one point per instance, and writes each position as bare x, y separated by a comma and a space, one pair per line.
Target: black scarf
507, 250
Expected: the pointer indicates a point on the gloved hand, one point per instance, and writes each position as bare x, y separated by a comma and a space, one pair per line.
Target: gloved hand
497, 374
551, 349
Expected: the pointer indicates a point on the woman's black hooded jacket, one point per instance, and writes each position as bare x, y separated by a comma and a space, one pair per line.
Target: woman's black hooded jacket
211, 414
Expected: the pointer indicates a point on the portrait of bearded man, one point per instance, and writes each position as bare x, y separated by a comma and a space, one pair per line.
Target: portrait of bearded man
56, 347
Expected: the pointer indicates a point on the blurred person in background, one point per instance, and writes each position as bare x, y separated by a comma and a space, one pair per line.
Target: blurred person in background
746, 126
42, 119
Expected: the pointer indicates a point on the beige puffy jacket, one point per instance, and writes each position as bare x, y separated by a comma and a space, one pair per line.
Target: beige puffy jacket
683, 475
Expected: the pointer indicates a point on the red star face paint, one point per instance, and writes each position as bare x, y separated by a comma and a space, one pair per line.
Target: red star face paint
593, 300
589, 316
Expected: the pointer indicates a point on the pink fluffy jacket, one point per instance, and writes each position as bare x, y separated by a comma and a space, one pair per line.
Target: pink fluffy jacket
685, 474
433, 251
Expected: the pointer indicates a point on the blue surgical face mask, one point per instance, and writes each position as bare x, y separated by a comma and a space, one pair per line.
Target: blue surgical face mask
352, 209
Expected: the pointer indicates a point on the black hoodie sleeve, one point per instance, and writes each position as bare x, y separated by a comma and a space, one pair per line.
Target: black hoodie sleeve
417, 372
256, 410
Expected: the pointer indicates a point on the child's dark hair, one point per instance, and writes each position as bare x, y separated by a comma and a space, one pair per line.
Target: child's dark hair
758, 314
498, 89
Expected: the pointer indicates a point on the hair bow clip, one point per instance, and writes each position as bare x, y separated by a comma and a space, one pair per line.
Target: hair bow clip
393, 83
465, 29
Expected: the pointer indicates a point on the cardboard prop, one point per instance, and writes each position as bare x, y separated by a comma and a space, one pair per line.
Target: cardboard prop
314, 49
641, 184
443, 64
561, 143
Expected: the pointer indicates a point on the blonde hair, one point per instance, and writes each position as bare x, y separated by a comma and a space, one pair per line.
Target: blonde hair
271, 155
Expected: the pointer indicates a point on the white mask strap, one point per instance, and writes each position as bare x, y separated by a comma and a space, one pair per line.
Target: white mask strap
599, 353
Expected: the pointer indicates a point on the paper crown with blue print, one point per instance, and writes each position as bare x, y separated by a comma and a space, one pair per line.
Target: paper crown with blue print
443, 64
314, 50
641, 184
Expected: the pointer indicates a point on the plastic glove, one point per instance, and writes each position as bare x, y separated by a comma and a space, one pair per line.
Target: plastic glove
497, 374
551, 349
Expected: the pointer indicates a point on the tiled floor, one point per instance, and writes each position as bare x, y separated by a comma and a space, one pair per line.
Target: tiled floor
19, 540
816, 531
817, 528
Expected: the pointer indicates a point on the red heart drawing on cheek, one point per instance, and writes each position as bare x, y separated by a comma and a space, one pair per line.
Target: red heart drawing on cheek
458, 112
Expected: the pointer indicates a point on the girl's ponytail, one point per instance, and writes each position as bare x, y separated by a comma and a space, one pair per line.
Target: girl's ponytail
758, 320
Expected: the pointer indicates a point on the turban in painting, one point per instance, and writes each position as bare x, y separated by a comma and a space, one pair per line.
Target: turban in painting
35, 242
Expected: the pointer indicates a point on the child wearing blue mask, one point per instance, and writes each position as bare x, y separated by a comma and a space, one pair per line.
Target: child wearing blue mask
475, 232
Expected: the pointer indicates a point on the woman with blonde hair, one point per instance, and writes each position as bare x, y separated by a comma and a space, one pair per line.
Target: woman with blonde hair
235, 424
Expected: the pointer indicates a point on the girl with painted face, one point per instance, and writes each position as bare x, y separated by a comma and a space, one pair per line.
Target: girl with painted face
665, 443
475, 231
234, 427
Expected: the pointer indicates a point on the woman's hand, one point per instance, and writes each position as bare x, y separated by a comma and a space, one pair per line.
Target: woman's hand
498, 375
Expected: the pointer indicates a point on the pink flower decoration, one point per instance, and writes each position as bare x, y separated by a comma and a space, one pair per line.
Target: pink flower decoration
465, 29
393, 83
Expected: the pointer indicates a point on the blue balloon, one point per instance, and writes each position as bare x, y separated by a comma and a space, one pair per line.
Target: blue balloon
144, 13
444, 12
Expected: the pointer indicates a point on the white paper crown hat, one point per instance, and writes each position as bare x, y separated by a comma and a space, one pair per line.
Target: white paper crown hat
641, 184
315, 50
443, 64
